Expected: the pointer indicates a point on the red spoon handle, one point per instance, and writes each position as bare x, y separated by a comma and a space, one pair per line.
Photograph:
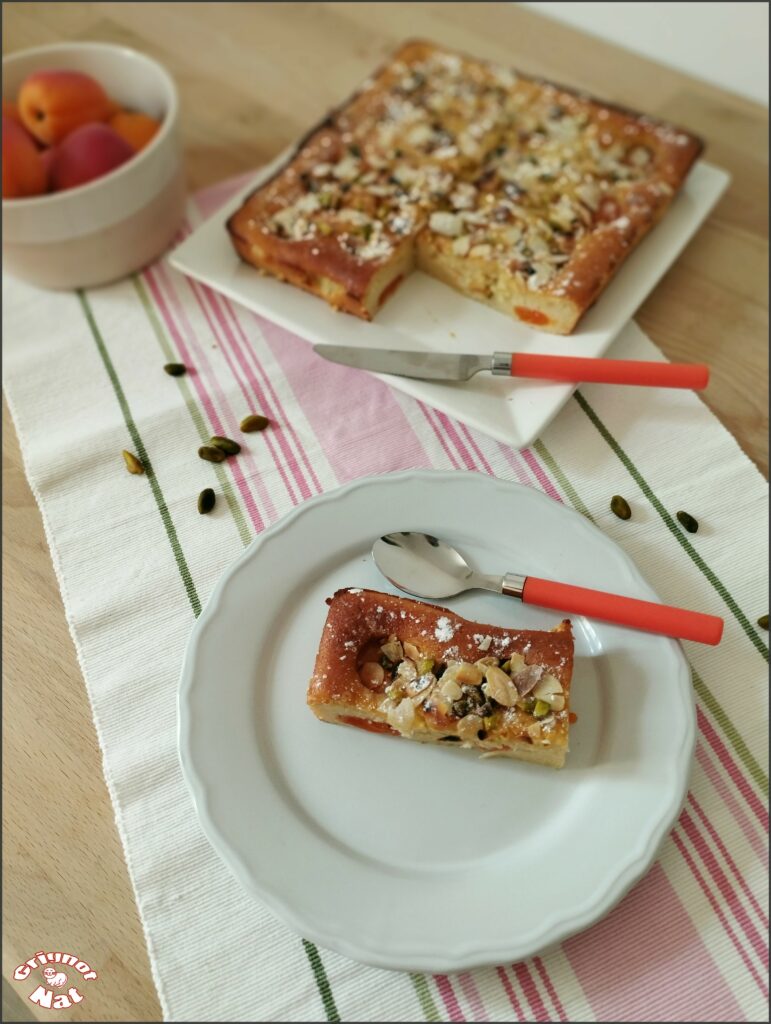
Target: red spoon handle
610, 371
625, 611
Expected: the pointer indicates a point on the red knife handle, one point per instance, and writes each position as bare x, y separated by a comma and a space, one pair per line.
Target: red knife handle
610, 371
625, 611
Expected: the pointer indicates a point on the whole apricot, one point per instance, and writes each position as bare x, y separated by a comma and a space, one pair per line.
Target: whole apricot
23, 170
137, 129
87, 153
47, 160
54, 103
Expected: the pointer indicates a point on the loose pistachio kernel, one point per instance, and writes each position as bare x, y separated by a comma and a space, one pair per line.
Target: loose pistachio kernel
620, 507
254, 422
206, 500
688, 522
210, 454
541, 709
228, 447
425, 665
175, 369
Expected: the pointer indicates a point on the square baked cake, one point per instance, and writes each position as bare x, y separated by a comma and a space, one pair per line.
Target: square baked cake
517, 192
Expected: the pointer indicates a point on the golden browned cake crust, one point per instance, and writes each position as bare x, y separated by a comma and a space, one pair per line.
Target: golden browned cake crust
520, 193
390, 664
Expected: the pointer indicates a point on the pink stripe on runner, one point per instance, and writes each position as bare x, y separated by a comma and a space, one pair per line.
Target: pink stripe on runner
514, 459
471, 993
427, 412
206, 401
555, 999
477, 450
274, 437
448, 996
730, 766
721, 916
540, 476
728, 858
647, 961
724, 886
519, 471
509, 990
532, 994
449, 429
714, 776
385, 438
289, 426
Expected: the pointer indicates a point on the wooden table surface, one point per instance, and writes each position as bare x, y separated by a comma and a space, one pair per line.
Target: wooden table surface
251, 77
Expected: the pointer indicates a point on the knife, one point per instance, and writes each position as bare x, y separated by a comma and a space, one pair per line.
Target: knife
450, 367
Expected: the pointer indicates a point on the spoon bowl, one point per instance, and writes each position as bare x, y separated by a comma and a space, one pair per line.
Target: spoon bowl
424, 566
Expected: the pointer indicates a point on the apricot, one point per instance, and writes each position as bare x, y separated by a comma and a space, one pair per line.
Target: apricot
23, 171
47, 160
87, 153
54, 103
137, 129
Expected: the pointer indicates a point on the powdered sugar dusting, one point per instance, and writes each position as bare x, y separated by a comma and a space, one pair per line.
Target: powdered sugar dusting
444, 630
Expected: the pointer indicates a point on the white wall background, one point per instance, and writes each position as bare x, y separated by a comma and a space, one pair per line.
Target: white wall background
722, 43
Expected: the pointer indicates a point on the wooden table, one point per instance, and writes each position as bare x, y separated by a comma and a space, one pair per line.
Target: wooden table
251, 77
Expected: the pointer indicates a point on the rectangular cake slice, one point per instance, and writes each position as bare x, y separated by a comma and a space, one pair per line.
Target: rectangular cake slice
392, 665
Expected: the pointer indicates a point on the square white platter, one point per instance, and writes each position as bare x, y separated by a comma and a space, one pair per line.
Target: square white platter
426, 315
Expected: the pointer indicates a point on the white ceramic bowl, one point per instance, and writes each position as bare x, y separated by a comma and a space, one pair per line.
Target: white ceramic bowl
114, 225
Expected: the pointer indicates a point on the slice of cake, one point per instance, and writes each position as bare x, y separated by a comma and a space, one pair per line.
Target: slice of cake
392, 665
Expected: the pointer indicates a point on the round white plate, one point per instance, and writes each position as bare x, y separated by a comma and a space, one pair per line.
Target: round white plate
407, 856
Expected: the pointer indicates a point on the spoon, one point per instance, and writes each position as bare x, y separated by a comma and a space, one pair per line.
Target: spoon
424, 566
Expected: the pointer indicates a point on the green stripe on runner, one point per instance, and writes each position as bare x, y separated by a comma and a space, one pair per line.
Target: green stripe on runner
704, 693
141, 451
321, 980
671, 524
313, 954
556, 470
195, 413
423, 993
730, 732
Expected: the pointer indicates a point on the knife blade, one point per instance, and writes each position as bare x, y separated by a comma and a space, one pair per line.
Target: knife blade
421, 365
448, 366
